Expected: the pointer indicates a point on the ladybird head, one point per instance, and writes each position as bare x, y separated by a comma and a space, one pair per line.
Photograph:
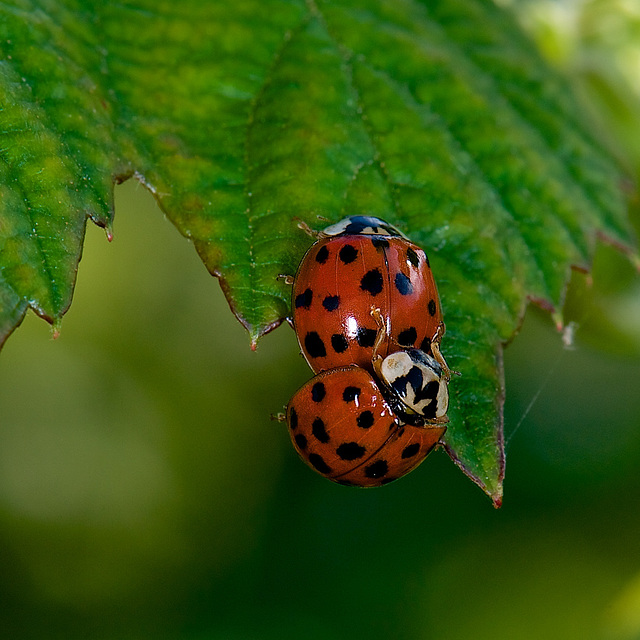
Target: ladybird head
362, 225
417, 386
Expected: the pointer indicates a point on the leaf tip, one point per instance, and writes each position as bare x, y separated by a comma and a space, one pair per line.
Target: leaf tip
255, 333
491, 484
56, 328
558, 320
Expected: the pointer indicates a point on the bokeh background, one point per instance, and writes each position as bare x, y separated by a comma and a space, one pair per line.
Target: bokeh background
145, 492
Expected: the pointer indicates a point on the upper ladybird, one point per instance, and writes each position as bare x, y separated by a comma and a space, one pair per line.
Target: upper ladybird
359, 262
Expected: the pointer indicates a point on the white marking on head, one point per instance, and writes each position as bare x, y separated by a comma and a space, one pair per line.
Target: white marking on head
411, 376
362, 225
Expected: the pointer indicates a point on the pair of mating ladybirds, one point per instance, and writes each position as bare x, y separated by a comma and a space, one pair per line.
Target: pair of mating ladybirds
367, 316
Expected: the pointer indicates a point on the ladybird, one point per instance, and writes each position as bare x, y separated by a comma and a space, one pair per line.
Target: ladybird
354, 264
343, 427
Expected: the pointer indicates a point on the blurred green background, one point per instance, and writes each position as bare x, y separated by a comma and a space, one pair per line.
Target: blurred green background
145, 493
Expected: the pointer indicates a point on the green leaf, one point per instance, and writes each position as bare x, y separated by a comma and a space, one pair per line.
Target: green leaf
243, 117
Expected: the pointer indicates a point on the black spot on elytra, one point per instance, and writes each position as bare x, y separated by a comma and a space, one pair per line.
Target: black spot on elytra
339, 343
365, 420
380, 243
314, 345
304, 299
293, 418
432, 307
366, 337
410, 450
412, 257
318, 392
403, 284
425, 345
408, 337
376, 470
318, 463
322, 255
350, 394
372, 282
330, 303
350, 451
319, 432
348, 254
301, 441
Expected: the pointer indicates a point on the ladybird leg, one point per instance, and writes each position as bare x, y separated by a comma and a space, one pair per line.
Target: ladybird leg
385, 330
278, 417
437, 355
383, 333
439, 358
439, 334
438, 423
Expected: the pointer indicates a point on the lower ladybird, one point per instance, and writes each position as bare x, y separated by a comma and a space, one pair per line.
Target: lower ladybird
343, 427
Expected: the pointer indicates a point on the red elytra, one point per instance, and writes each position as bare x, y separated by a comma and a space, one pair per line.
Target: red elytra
343, 428
343, 275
